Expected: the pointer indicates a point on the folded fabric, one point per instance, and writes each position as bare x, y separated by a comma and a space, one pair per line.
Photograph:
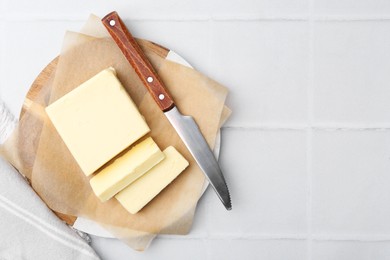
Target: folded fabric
7, 122
28, 229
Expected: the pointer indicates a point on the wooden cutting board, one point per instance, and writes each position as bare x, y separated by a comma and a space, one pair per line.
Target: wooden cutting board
44, 77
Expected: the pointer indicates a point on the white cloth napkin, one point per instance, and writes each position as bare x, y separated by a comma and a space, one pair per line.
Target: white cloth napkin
28, 229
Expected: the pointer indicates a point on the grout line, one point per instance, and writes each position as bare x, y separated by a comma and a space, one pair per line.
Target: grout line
350, 128
309, 137
211, 61
257, 17
314, 127
238, 237
267, 128
324, 238
28, 17
309, 173
350, 18
353, 238
168, 17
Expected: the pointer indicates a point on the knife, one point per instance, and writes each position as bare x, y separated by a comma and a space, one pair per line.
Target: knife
185, 126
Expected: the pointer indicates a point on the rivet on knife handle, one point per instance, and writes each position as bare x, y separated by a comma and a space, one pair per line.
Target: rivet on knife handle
138, 60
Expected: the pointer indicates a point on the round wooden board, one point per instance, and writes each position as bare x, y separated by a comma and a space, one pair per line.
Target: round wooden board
44, 77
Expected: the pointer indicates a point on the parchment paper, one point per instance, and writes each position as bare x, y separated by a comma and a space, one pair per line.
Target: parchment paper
57, 178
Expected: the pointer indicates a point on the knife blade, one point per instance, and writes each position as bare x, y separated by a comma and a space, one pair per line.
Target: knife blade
184, 125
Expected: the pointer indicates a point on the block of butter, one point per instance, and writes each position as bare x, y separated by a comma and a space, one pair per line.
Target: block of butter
97, 120
126, 169
135, 196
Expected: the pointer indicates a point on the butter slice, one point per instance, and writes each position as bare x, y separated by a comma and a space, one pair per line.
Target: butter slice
97, 120
134, 197
126, 169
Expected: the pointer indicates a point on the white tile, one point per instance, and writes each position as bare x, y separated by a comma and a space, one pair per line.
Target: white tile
2, 7
189, 39
201, 218
127, 9
164, 9
352, 7
265, 65
266, 174
44, 8
260, 7
341, 250
258, 249
29, 47
161, 248
167, 9
2, 54
351, 72
351, 182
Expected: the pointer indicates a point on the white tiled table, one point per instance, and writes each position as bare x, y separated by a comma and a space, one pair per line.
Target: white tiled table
307, 150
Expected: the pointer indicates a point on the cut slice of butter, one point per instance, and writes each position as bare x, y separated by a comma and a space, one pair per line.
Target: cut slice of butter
135, 196
97, 120
126, 168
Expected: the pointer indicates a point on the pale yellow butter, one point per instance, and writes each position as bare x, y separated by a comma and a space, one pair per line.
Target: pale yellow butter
97, 120
135, 196
126, 169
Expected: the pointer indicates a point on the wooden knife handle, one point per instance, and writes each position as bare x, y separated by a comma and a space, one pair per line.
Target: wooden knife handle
138, 60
